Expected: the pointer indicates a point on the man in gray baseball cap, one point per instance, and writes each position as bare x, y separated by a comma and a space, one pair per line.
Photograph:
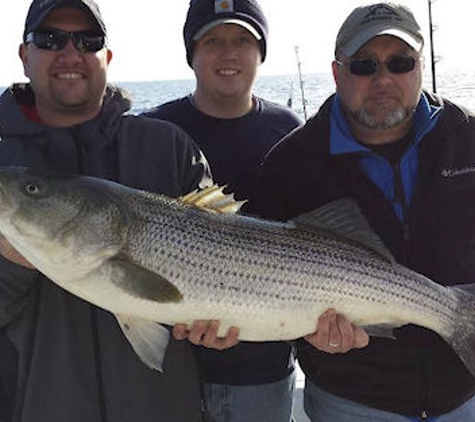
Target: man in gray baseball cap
387, 144
367, 22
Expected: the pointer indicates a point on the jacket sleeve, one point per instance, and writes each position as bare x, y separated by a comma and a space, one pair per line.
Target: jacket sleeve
268, 200
15, 284
194, 168
158, 156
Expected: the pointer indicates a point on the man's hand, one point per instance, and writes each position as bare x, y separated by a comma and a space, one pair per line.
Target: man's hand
10, 253
205, 333
336, 334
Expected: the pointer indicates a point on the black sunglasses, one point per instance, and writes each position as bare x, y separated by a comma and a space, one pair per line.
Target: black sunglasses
55, 39
367, 67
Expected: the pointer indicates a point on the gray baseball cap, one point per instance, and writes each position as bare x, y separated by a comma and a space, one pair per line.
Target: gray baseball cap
367, 22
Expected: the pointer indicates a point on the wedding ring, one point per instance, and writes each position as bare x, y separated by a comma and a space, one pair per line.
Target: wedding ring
334, 344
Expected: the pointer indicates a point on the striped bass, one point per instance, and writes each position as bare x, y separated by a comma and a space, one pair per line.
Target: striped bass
150, 259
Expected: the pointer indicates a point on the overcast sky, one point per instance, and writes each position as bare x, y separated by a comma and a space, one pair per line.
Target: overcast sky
146, 37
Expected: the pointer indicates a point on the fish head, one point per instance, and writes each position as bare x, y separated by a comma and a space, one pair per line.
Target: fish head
57, 220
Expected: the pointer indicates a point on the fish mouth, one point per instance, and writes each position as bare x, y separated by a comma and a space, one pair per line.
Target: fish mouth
5, 202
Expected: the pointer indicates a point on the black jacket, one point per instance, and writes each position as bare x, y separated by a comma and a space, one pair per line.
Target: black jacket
419, 371
61, 358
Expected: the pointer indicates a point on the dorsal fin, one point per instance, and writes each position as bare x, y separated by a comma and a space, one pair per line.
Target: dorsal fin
213, 199
344, 218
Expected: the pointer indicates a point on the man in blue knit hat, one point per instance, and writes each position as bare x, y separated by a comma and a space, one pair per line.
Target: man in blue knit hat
226, 44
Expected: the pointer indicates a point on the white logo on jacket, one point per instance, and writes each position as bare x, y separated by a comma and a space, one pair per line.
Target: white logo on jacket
458, 172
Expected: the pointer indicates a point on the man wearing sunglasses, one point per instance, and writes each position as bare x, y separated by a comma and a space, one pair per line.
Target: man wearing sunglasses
407, 158
61, 358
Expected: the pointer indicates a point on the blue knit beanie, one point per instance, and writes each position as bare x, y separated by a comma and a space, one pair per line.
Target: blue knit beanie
203, 15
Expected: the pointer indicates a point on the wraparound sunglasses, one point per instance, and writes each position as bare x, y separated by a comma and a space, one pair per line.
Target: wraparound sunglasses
368, 67
55, 39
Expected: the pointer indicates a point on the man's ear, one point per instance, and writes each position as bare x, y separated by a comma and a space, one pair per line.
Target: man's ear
335, 72
109, 56
23, 54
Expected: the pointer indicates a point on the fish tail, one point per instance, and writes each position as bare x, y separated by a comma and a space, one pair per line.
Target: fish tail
463, 337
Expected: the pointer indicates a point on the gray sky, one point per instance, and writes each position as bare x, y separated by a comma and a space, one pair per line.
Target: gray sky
147, 39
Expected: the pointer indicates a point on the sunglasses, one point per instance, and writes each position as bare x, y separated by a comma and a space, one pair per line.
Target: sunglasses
368, 67
55, 39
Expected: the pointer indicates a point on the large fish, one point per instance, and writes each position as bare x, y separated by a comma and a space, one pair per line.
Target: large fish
148, 258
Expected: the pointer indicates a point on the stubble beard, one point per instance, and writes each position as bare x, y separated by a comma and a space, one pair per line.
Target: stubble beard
384, 119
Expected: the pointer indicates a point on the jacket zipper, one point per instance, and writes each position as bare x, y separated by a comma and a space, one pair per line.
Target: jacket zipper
400, 198
94, 315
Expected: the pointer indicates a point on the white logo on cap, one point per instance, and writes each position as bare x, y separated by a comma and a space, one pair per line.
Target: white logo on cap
45, 3
223, 6
380, 12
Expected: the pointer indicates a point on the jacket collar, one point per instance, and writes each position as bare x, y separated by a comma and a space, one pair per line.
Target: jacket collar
342, 141
14, 122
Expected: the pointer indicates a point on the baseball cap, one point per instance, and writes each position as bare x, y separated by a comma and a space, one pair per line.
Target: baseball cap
39, 9
367, 22
204, 15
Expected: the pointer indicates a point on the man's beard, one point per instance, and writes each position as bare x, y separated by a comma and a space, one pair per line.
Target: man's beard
391, 119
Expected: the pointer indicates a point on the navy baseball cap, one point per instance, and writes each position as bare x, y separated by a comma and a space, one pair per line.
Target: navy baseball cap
39, 9
204, 15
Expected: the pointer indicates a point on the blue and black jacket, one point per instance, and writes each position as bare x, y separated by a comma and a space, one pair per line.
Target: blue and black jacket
418, 373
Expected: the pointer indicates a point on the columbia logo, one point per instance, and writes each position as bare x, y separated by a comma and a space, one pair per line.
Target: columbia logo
458, 172
223, 6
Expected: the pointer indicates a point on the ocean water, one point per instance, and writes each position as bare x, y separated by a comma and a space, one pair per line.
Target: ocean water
279, 89
457, 86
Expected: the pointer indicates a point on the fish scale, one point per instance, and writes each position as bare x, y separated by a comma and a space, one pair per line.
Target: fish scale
150, 259
241, 237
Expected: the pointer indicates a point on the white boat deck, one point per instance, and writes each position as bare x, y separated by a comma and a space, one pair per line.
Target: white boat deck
299, 414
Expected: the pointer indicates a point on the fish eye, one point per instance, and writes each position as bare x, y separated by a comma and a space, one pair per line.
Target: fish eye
32, 188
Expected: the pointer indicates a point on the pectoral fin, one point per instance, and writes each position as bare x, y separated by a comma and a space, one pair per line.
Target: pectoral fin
381, 330
141, 282
149, 339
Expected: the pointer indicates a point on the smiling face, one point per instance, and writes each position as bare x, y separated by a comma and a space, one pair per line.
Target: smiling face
380, 106
225, 61
68, 85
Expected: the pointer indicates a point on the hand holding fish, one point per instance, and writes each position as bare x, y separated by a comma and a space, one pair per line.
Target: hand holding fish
336, 334
205, 333
10, 253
